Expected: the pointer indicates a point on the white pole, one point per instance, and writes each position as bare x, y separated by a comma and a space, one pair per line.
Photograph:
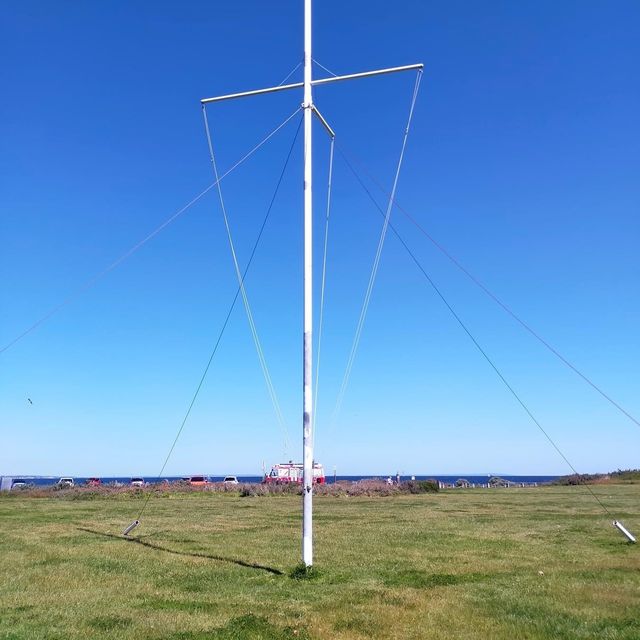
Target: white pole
307, 403
307, 408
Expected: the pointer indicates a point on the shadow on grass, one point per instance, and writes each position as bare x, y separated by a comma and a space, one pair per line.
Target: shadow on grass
191, 554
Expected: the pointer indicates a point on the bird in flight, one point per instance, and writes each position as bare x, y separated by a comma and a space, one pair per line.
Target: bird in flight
29, 399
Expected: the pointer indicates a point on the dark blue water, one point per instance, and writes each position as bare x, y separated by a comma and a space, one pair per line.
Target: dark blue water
448, 479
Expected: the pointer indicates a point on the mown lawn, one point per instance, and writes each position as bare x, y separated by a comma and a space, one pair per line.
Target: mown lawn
474, 564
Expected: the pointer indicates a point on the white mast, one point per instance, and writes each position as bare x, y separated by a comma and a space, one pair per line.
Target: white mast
307, 376
307, 347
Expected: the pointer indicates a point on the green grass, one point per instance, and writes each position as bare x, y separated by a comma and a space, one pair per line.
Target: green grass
474, 564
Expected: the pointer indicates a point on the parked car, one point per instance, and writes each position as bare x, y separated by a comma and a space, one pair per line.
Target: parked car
94, 482
230, 480
18, 483
65, 483
137, 482
198, 481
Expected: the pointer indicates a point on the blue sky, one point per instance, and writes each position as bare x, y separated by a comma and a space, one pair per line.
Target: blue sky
523, 161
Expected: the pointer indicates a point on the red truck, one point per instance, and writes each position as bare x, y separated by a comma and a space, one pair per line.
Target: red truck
288, 472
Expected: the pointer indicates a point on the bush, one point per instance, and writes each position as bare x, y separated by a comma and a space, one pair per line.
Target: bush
248, 490
575, 479
621, 475
423, 486
632, 475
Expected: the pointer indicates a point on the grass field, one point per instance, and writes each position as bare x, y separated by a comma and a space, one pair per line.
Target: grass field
490, 564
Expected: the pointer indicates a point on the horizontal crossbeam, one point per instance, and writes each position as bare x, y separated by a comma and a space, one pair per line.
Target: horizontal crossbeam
315, 83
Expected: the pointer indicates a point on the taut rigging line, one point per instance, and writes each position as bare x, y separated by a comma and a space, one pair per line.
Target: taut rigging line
245, 298
471, 336
224, 325
323, 283
494, 297
376, 261
88, 284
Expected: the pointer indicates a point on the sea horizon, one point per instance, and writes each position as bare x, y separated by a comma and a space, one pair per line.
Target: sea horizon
476, 478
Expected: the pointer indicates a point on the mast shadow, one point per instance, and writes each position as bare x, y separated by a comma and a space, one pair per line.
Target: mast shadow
190, 554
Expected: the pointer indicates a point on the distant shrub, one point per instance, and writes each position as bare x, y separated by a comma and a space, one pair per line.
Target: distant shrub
578, 478
292, 488
87, 494
372, 487
628, 475
423, 486
248, 490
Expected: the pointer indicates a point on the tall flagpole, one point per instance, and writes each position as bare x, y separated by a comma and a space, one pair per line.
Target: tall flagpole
307, 409
307, 398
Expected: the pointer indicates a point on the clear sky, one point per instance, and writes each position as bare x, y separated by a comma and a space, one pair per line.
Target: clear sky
523, 161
